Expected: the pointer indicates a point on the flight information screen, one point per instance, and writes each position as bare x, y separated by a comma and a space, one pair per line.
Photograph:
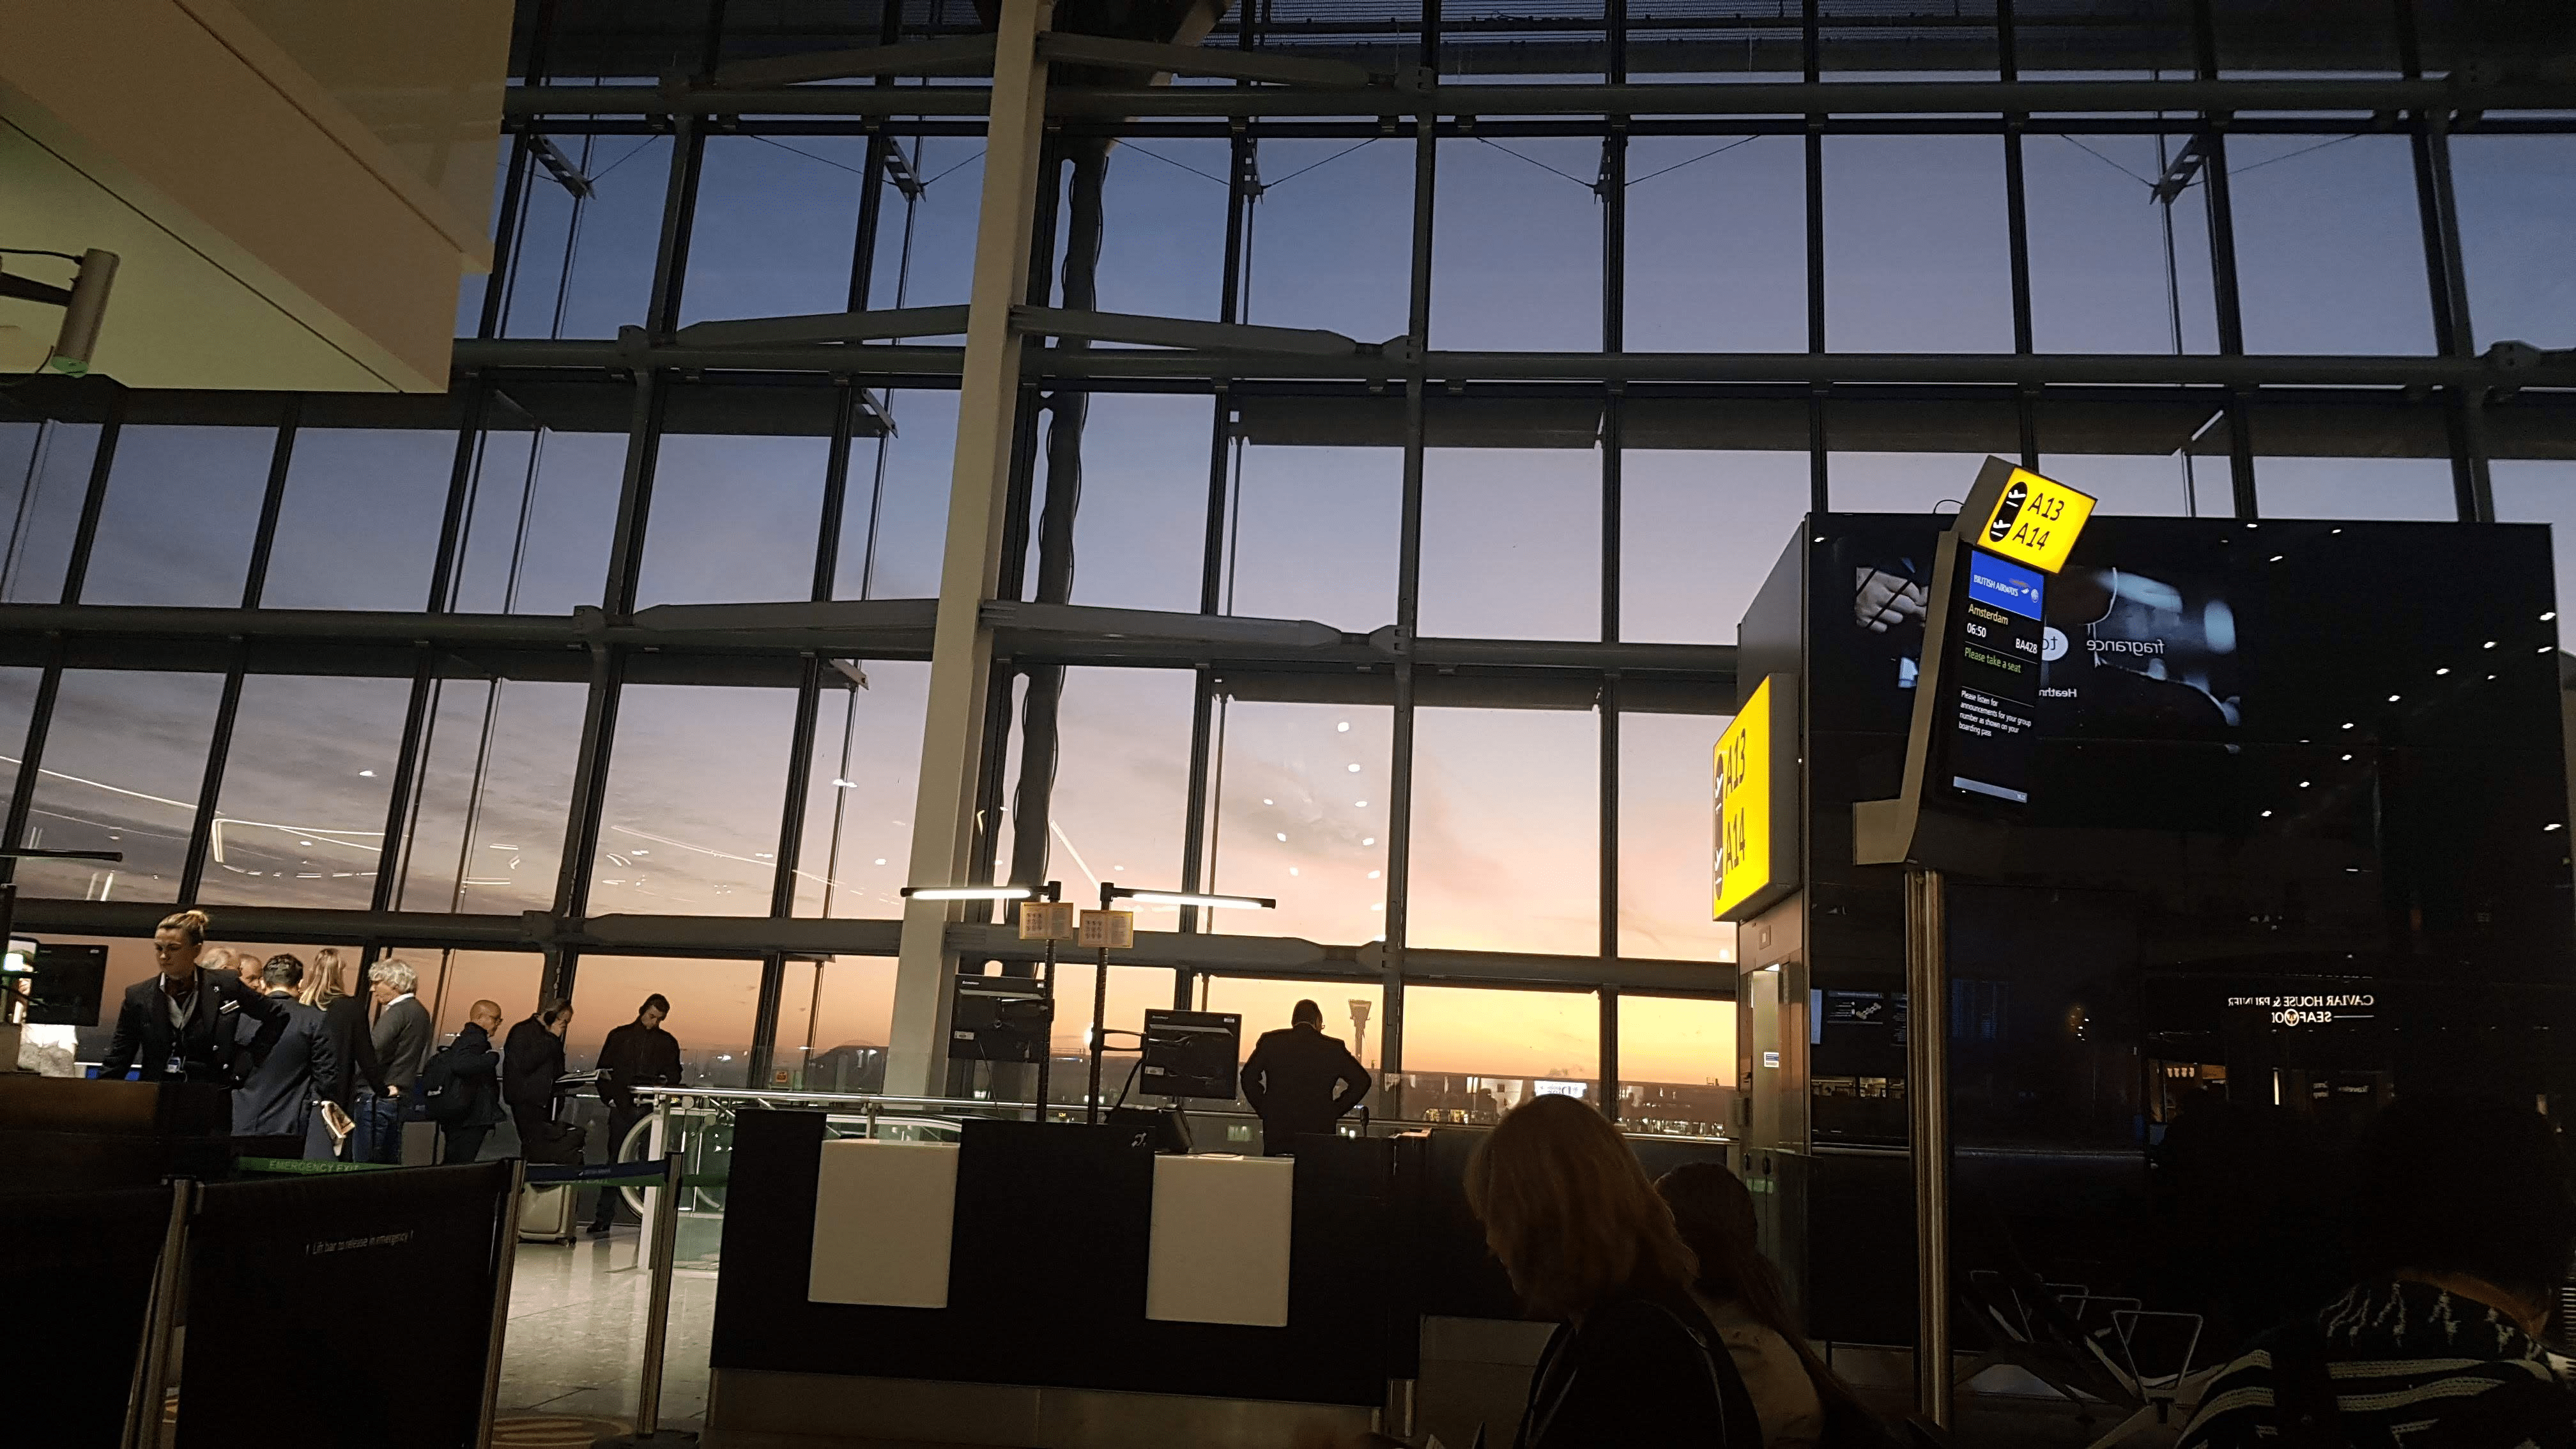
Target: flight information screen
1992, 715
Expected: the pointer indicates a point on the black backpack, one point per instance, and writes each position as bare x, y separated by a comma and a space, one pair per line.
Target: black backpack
445, 1098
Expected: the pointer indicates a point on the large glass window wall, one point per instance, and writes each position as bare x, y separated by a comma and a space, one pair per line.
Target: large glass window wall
523, 741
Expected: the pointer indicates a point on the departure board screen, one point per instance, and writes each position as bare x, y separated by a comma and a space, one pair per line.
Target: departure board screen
1991, 717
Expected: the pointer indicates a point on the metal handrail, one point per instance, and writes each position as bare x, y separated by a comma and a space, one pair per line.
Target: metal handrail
877, 1101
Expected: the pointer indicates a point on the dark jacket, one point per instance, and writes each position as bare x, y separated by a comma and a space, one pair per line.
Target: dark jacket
1301, 1081
636, 1055
531, 1058
213, 1046
478, 1074
280, 1092
353, 1051
1644, 1371
404, 1039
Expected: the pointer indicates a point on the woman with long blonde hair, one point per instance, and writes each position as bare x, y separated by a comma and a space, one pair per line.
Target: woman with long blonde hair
357, 1078
1634, 1363
322, 982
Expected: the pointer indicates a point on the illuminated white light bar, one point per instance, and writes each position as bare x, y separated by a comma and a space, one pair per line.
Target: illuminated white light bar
967, 893
1184, 898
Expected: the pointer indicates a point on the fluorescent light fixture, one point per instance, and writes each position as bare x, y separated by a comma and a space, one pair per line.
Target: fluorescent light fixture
967, 893
1187, 898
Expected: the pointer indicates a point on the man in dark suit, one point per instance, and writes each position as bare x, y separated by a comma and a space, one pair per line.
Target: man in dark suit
278, 1097
530, 1061
183, 1024
1301, 1081
638, 1054
477, 1070
404, 1039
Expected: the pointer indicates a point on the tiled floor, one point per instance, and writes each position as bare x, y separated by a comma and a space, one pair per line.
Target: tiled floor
576, 1343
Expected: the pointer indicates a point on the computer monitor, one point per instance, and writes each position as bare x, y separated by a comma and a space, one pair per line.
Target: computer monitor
1192, 1053
999, 1019
65, 985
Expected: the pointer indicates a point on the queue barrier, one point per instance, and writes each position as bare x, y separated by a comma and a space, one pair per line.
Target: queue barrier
295, 1245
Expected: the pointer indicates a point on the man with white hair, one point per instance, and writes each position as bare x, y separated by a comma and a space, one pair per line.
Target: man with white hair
403, 1038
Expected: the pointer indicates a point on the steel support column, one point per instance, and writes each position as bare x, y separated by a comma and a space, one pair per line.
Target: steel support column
943, 817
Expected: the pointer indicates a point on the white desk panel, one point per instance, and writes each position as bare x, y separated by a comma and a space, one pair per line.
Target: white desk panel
1219, 1251
884, 1215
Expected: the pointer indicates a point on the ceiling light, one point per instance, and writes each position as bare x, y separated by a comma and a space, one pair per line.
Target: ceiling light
1194, 898
1355, 769
370, 774
1344, 727
967, 893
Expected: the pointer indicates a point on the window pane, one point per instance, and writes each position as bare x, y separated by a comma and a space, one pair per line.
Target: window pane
453, 981
2153, 487
1163, 220
44, 468
1665, 839
302, 815
1517, 246
1140, 531
2536, 491
695, 788
893, 529
711, 1011
776, 222
867, 748
834, 1039
1511, 543
1133, 990
1916, 259
182, 506
2112, 270
540, 521
124, 759
17, 703
584, 268
2517, 204
1315, 535
926, 246
1698, 533
2355, 488
1301, 819
1332, 238
733, 520
1717, 244
1456, 1031
1676, 1064
488, 825
1900, 482
358, 527
1354, 1015
1121, 785
1506, 831
2329, 245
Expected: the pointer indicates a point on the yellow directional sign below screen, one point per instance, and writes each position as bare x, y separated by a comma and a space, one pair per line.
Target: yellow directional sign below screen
1743, 802
2036, 521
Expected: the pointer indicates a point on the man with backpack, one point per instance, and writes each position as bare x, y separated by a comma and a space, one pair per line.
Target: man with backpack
460, 1087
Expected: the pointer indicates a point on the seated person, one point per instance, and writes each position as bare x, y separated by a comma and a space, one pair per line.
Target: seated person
2466, 1223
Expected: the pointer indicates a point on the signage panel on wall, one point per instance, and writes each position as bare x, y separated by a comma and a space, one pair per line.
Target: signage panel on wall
1754, 806
1992, 714
2036, 521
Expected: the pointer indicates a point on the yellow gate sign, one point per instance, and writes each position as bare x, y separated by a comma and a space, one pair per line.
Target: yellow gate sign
1742, 867
2036, 521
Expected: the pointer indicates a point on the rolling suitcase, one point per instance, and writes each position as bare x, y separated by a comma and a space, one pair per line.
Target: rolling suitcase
546, 1213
